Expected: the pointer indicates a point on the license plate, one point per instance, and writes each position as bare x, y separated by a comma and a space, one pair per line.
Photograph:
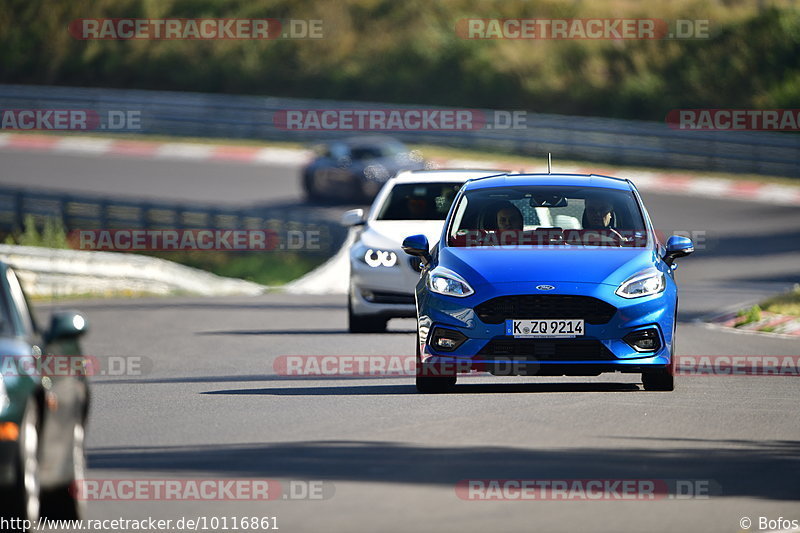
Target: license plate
544, 328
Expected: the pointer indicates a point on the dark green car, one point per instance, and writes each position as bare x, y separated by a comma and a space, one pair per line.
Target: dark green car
44, 399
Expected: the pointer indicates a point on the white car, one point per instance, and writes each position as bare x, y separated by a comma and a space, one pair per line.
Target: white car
382, 277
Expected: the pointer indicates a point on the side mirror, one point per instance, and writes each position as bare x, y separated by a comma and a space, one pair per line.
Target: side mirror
354, 217
417, 245
677, 246
66, 325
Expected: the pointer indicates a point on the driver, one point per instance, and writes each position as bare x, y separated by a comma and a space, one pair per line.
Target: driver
598, 214
417, 207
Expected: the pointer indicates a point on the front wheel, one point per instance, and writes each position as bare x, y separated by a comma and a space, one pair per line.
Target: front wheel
431, 384
662, 380
310, 186
64, 502
22, 500
362, 323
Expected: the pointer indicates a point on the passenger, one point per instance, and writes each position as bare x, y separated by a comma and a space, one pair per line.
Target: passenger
509, 218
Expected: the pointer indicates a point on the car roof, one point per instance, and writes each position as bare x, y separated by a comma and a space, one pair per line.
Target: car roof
572, 180
364, 140
455, 175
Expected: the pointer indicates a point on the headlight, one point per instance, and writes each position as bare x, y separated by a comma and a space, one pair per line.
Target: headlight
646, 283
447, 282
378, 258
4, 401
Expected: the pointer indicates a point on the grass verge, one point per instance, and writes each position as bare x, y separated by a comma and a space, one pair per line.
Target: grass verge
784, 304
266, 268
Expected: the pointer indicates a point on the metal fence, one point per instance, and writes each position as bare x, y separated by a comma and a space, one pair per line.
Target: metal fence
86, 212
583, 138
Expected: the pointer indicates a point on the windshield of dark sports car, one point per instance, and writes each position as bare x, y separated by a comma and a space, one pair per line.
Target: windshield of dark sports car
548, 215
419, 201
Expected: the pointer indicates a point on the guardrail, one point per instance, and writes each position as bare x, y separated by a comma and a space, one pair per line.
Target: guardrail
86, 212
584, 138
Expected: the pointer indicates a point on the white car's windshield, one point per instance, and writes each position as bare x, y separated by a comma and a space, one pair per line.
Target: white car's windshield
418, 201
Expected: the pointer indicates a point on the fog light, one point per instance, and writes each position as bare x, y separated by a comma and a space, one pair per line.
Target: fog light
644, 340
447, 340
367, 295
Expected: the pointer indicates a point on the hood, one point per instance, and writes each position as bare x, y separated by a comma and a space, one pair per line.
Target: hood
389, 234
573, 265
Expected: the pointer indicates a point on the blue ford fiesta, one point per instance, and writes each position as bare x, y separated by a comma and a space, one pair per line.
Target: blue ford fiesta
549, 275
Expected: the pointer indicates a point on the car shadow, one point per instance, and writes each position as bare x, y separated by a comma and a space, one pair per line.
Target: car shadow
463, 388
764, 470
299, 332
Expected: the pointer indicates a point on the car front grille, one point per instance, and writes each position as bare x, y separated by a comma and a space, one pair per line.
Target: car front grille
547, 349
520, 306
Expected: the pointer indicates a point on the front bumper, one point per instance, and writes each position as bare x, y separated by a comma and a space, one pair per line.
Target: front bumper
601, 348
8, 464
383, 291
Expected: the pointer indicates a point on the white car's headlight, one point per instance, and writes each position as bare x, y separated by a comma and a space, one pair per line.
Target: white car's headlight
378, 258
645, 283
447, 282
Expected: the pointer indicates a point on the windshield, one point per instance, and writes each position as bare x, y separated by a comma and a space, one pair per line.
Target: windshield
376, 151
548, 215
418, 201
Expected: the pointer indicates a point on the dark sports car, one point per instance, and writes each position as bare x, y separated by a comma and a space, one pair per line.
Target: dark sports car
354, 170
44, 399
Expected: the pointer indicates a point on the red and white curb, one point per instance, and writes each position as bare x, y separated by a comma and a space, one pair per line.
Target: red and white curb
153, 150
777, 325
665, 182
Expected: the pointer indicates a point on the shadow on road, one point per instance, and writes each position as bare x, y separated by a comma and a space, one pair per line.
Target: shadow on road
464, 388
753, 245
765, 469
297, 332
206, 303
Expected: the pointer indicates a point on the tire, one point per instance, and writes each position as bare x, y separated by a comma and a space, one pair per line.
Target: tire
310, 186
362, 323
431, 384
23, 499
663, 380
63, 503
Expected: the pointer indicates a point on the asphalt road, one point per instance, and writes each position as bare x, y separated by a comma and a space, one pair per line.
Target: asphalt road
209, 404
220, 182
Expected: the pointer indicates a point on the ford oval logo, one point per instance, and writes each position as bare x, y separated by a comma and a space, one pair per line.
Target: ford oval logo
545, 287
